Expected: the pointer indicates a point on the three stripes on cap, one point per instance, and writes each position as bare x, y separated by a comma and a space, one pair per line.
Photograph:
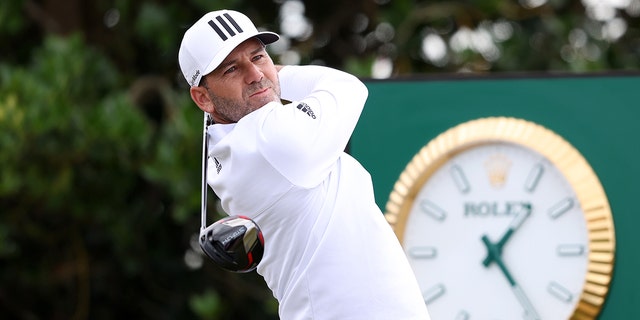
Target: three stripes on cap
226, 26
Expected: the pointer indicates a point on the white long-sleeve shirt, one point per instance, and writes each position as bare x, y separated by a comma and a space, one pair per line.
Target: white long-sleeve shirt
329, 253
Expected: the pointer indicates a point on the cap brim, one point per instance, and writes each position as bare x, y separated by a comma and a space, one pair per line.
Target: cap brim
267, 37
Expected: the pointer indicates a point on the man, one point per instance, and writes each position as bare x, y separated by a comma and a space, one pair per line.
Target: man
329, 253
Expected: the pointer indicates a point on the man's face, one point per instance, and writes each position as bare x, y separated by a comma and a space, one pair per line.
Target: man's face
244, 82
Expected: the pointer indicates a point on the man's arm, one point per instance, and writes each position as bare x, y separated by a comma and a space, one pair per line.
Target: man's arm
301, 82
307, 137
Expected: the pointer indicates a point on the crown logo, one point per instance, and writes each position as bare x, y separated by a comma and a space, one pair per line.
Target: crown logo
497, 167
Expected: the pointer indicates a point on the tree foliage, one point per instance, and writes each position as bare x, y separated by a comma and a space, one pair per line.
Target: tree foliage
100, 197
508, 36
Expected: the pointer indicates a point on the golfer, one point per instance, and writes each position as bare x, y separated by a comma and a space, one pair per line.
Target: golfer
276, 154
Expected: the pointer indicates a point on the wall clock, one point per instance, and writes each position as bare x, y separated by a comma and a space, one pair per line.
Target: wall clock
502, 218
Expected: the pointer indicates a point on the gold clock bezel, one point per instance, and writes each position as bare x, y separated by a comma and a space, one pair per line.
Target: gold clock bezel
559, 152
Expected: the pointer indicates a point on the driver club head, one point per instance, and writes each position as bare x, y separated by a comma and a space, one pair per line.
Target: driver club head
235, 243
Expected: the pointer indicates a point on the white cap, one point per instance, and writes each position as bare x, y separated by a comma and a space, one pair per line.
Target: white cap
210, 40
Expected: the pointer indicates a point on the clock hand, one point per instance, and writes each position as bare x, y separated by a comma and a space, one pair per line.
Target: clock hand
529, 311
494, 254
513, 226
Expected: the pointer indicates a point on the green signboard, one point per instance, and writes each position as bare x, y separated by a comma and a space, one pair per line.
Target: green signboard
599, 115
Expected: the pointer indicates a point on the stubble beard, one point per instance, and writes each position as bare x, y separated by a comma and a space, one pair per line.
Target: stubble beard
233, 110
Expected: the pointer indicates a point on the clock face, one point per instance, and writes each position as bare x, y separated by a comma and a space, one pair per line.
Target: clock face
501, 218
480, 193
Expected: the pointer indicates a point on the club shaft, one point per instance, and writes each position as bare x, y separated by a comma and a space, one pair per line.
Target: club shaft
205, 140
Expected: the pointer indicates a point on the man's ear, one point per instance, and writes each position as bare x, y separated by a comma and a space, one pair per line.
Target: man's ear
200, 96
